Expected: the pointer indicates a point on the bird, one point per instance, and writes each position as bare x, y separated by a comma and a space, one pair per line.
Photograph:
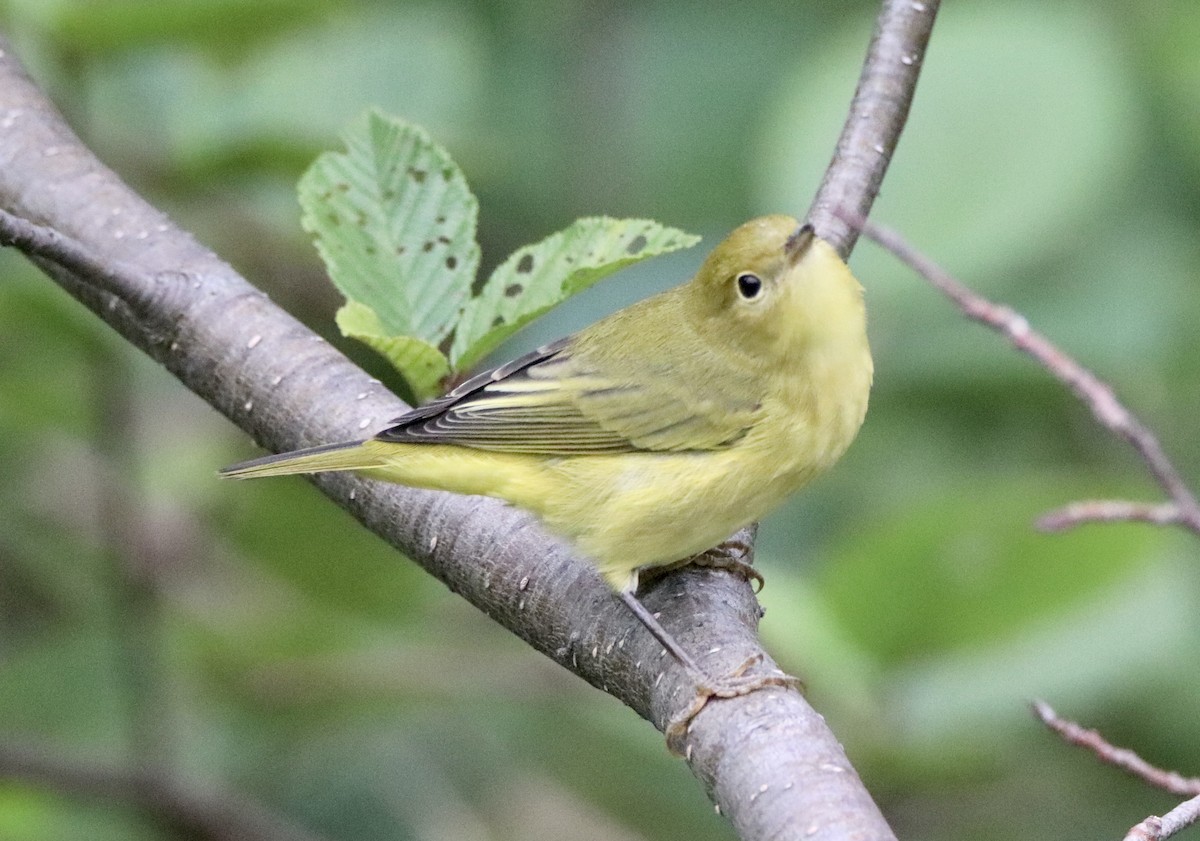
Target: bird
654, 434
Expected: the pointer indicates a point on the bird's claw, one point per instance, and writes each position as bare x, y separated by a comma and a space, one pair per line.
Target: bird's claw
729, 557
734, 685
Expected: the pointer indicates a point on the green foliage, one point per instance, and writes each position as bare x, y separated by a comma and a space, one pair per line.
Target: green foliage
395, 223
330, 567
424, 366
540, 276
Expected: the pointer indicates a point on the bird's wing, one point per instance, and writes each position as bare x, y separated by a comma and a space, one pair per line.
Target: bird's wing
553, 402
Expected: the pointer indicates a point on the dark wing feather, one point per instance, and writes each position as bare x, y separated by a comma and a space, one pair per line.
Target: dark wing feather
551, 402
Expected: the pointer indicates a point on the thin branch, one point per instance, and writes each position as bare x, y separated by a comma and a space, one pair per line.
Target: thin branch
877, 116
1178, 819
1152, 828
1097, 395
1183, 510
189, 809
1110, 511
1122, 758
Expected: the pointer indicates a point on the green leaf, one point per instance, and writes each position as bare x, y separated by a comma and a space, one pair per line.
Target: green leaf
537, 277
394, 222
424, 366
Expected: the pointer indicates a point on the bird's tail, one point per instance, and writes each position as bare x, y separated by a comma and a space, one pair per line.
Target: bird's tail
349, 455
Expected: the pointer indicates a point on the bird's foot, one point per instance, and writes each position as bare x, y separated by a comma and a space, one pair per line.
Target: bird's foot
733, 685
730, 556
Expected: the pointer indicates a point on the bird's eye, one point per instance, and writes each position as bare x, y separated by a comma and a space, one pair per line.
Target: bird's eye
749, 285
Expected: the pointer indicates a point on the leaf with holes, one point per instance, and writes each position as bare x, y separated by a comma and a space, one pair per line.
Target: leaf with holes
394, 221
537, 277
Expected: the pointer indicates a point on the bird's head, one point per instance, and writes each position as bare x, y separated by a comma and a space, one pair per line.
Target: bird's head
774, 290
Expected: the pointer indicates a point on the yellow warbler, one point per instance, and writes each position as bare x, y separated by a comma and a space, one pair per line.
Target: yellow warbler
657, 432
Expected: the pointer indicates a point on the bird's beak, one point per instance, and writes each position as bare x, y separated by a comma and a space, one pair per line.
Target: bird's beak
797, 244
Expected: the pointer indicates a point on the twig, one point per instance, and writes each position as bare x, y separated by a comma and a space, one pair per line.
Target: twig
1110, 511
1096, 394
193, 811
1152, 828
877, 116
1155, 828
1122, 758
1182, 510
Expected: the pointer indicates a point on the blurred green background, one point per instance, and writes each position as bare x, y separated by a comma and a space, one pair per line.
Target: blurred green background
257, 639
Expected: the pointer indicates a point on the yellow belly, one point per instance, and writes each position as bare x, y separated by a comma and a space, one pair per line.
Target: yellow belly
624, 511
638, 509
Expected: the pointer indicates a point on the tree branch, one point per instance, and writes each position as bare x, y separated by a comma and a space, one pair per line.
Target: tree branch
877, 115
1123, 758
767, 759
1178, 819
1096, 394
1152, 828
1110, 511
